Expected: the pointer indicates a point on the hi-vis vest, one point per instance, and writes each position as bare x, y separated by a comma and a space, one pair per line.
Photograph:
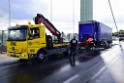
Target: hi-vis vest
90, 39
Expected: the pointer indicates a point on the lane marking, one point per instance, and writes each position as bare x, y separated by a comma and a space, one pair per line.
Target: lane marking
70, 79
5, 76
103, 68
94, 76
10, 66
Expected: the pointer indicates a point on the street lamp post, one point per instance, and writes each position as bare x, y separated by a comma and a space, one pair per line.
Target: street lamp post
73, 15
51, 8
9, 13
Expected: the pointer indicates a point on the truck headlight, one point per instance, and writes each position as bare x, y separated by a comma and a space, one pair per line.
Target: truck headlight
23, 55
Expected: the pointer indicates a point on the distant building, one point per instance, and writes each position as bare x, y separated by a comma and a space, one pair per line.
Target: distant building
71, 36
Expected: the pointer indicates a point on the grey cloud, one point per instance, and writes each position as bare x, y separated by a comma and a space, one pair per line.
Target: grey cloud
119, 20
68, 18
3, 8
21, 9
25, 9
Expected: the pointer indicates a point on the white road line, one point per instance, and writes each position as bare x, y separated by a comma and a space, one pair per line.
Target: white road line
4, 77
70, 79
103, 68
9, 66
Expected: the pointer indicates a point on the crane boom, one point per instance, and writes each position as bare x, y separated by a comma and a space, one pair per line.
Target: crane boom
41, 19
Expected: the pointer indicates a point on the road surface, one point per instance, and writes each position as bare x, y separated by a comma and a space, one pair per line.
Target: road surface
94, 66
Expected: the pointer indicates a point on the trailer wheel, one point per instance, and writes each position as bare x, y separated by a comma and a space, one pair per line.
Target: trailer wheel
105, 44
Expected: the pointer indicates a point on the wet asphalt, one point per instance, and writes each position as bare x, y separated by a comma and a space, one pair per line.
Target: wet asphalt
92, 66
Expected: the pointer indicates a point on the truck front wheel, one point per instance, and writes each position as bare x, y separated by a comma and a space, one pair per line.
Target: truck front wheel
41, 56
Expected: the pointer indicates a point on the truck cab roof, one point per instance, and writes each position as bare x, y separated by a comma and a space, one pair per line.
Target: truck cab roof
18, 27
25, 26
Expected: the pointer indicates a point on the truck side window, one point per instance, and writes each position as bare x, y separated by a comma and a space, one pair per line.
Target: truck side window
34, 33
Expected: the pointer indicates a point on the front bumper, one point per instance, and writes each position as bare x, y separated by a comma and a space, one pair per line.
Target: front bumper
16, 55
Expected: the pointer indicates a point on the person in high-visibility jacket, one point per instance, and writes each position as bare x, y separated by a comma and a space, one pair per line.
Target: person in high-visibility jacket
89, 42
90, 39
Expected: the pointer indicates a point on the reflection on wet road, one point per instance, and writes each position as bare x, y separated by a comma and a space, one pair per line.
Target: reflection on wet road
88, 64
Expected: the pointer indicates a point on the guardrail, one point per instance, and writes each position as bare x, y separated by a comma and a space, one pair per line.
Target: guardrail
3, 38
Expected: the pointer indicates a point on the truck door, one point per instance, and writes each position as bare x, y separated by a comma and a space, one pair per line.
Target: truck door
35, 40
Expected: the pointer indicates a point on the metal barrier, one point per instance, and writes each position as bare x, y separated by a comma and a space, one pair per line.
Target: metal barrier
3, 38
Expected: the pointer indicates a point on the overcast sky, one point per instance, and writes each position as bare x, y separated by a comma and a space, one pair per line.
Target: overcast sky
61, 13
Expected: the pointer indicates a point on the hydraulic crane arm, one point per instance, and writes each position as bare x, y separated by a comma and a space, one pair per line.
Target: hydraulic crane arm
41, 19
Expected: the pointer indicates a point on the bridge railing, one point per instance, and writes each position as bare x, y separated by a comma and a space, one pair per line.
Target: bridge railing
3, 38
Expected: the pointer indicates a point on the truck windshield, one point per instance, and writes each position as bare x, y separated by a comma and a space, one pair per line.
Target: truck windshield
17, 34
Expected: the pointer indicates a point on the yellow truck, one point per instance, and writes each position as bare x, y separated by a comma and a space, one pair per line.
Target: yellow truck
32, 42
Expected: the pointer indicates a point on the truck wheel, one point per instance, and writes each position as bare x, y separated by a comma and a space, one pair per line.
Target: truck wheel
41, 56
106, 45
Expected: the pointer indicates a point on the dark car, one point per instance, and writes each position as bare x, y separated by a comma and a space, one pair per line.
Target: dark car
121, 37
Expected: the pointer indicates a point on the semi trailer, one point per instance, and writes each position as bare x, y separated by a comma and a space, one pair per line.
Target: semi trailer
101, 33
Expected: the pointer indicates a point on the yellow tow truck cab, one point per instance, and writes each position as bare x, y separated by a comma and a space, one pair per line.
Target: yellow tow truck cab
32, 41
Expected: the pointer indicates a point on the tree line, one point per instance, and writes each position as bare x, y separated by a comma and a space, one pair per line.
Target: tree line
117, 33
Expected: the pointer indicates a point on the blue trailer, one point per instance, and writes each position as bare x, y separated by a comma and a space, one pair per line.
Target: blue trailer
96, 30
